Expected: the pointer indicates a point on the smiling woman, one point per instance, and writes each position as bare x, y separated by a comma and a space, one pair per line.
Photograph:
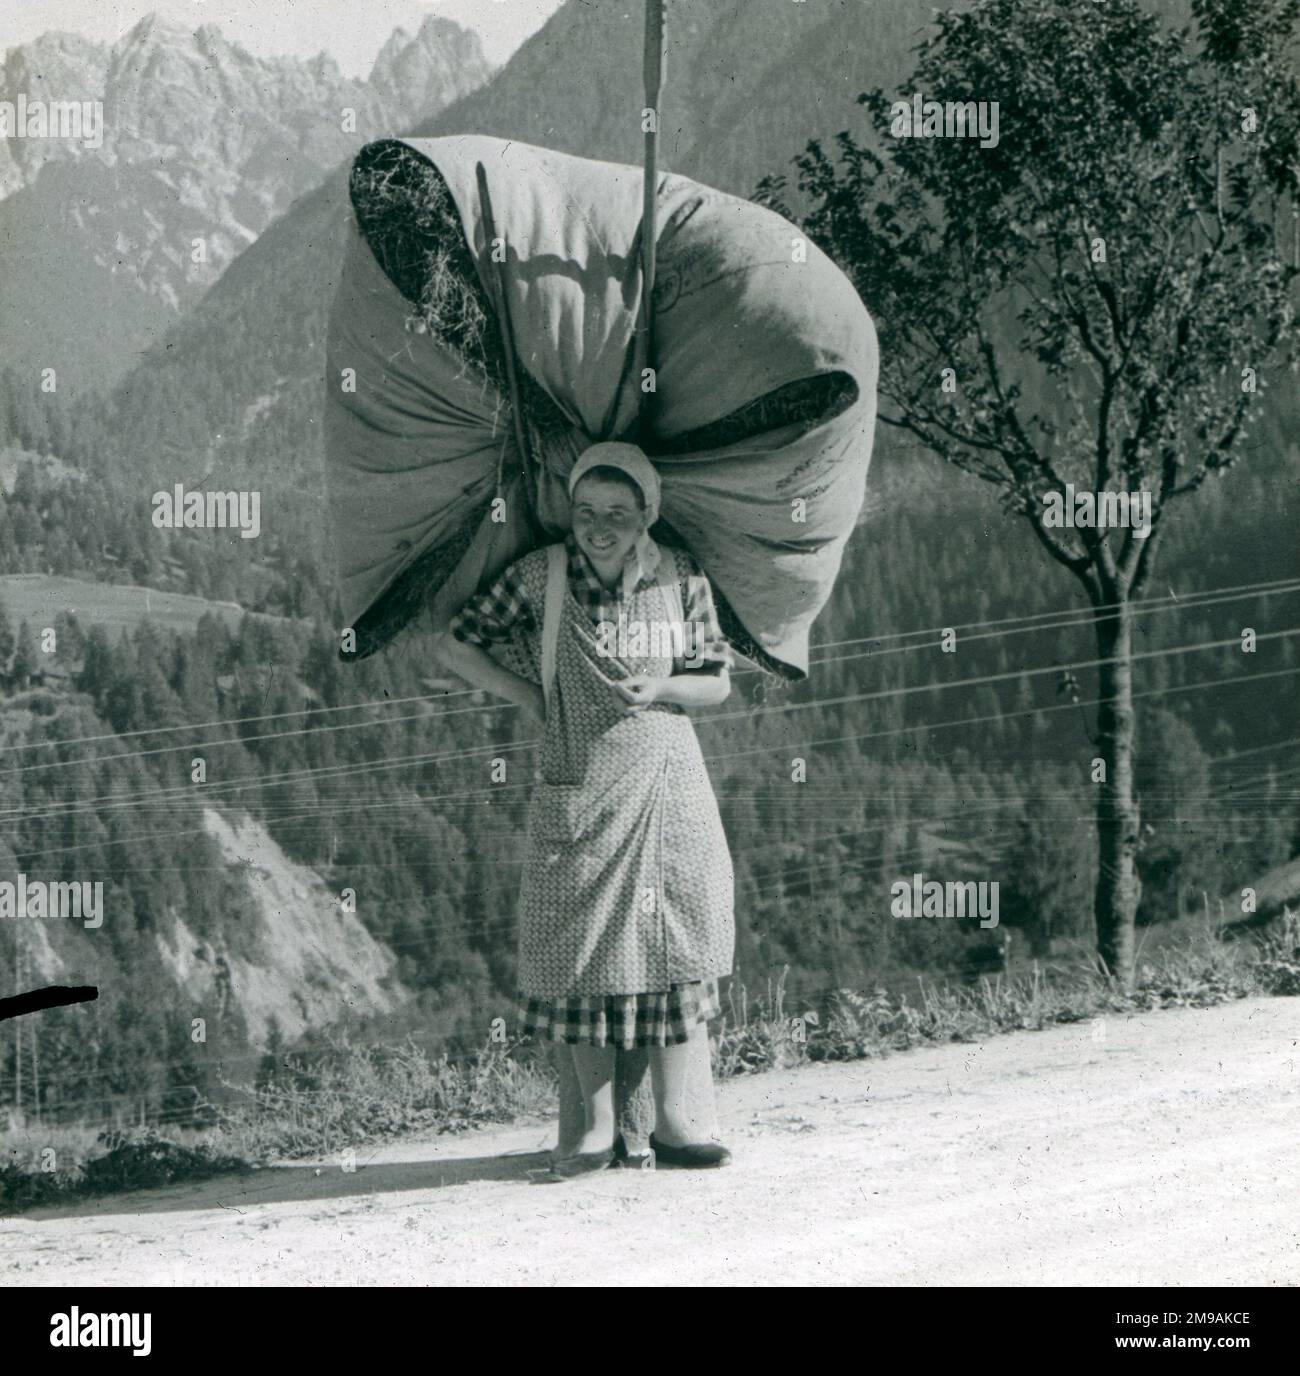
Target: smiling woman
626, 918
759, 436
605, 516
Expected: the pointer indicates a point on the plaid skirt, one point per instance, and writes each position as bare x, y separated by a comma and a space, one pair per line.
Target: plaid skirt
662, 1018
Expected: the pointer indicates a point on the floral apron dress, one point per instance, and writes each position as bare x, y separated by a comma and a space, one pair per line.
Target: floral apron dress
626, 913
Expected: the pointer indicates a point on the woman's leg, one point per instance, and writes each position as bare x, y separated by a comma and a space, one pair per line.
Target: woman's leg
573, 1113
683, 1084
634, 1101
595, 1070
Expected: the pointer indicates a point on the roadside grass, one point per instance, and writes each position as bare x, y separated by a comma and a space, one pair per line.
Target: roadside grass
1204, 971
50, 1166
376, 1093
364, 1094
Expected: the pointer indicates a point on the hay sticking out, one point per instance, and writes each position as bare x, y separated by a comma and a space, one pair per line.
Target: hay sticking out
407, 216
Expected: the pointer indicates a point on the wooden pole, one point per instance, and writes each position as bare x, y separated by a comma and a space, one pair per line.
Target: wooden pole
653, 73
497, 283
18, 1035
36, 1069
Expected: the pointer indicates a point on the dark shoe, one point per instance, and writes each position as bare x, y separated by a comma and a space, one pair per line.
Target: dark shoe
694, 1156
632, 1161
568, 1167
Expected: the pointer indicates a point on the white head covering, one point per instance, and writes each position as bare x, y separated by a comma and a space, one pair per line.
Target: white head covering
643, 558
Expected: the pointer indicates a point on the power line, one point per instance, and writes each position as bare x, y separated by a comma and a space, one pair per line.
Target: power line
1087, 617
1171, 601
981, 679
181, 790
728, 755
1188, 603
241, 721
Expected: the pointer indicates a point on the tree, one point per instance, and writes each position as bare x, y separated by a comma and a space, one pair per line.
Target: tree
98, 665
26, 661
1094, 299
7, 641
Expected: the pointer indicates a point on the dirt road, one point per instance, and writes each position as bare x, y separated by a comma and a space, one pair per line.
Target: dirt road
1164, 1152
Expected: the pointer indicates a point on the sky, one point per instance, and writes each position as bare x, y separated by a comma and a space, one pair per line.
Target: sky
352, 31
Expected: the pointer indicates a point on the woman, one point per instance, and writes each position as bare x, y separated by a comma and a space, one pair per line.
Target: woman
626, 917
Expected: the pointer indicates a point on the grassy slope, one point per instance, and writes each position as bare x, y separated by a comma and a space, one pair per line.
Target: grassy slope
38, 598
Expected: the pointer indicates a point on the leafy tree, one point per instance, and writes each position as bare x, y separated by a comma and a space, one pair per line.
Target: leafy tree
1105, 285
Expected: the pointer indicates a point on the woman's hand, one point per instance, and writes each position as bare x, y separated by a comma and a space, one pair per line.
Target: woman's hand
682, 690
639, 690
696, 688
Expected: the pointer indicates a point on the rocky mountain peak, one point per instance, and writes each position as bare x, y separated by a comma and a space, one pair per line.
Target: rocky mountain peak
422, 64
202, 145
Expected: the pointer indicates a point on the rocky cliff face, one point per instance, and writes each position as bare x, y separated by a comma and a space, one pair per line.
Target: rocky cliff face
421, 74
299, 961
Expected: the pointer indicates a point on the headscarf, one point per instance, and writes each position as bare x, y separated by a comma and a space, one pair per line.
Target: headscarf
643, 558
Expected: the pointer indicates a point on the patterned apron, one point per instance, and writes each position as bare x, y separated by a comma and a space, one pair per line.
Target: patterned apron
627, 884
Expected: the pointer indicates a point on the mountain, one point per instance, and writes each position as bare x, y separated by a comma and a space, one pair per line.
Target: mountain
203, 145
420, 74
301, 961
747, 82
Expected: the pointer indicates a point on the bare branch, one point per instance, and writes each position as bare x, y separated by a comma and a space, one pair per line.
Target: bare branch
1078, 564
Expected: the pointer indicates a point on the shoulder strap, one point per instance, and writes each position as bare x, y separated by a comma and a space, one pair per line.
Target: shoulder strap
670, 582
552, 611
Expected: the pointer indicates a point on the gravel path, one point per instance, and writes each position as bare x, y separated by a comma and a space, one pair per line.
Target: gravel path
1164, 1152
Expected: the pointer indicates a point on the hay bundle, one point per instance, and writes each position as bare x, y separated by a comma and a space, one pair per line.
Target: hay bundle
765, 384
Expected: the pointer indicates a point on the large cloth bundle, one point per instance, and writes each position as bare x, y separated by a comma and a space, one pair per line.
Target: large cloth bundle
418, 445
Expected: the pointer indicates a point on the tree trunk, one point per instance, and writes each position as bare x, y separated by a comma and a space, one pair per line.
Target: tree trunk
1118, 887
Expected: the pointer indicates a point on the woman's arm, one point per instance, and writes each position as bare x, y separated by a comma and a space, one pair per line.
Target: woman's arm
478, 668
696, 689
691, 689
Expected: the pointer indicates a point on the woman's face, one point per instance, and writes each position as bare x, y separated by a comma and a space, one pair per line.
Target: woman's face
607, 520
